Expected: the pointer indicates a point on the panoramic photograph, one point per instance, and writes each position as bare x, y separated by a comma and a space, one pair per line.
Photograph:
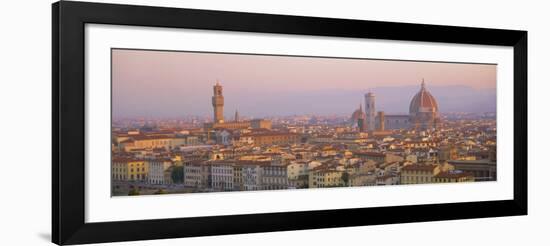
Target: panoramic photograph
195, 122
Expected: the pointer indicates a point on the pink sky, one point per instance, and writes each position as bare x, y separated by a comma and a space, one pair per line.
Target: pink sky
157, 83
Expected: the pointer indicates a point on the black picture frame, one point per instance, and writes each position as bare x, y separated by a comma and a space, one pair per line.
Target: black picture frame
68, 117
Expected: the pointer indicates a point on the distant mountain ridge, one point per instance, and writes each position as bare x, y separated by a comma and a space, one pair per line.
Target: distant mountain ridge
449, 98
257, 102
392, 100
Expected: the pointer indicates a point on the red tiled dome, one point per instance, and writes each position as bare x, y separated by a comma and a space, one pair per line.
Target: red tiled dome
422, 102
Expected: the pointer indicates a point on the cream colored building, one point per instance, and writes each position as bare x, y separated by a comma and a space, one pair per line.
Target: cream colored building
151, 142
388, 179
194, 175
453, 177
156, 173
362, 167
274, 177
157, 169
238, 178
222, 175
325, 178
362, 179
252, 175
272, 138
128, 169
297, 169
119, 169
419, 173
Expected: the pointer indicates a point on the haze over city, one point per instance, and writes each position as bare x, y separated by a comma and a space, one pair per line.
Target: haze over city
273, 123
179, 84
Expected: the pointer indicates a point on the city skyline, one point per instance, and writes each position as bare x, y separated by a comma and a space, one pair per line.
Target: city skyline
154, 84
392, 137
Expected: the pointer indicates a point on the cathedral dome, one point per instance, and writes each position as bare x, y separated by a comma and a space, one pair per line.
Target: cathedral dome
423, 102
423, 111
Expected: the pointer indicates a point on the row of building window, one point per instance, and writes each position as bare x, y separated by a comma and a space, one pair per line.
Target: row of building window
131, 177
220, 170
275, 180
417, 179
216, 178
124, 169
412, 172
275, 172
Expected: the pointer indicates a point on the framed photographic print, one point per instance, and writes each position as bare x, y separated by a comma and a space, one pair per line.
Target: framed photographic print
175, 122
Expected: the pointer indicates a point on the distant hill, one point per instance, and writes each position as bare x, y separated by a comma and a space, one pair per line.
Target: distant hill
449, 98
392, 100
256, 102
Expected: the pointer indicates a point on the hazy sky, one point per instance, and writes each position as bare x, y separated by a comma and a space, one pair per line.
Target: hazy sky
175, 84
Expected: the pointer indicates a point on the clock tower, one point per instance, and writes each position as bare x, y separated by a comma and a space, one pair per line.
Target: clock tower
217, 103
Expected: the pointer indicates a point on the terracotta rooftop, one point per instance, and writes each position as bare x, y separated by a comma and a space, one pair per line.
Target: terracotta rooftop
269, 134
253, 163
144, 137
419, 167
124, 159
452, 174
375, 154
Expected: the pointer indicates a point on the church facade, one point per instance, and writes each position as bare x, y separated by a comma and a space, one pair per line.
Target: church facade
423, 114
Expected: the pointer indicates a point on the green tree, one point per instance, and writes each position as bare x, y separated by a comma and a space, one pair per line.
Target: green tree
133, 192
345, 178
160, 191
177, 174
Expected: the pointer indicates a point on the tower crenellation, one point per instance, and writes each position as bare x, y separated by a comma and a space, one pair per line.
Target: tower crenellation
217, 103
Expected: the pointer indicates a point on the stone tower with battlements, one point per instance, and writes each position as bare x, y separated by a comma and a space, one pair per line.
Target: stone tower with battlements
217, 103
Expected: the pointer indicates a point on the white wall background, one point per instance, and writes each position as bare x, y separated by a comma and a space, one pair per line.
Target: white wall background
25, 59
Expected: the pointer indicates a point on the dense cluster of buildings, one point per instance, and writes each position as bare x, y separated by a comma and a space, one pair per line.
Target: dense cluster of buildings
368, 149
423, 114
